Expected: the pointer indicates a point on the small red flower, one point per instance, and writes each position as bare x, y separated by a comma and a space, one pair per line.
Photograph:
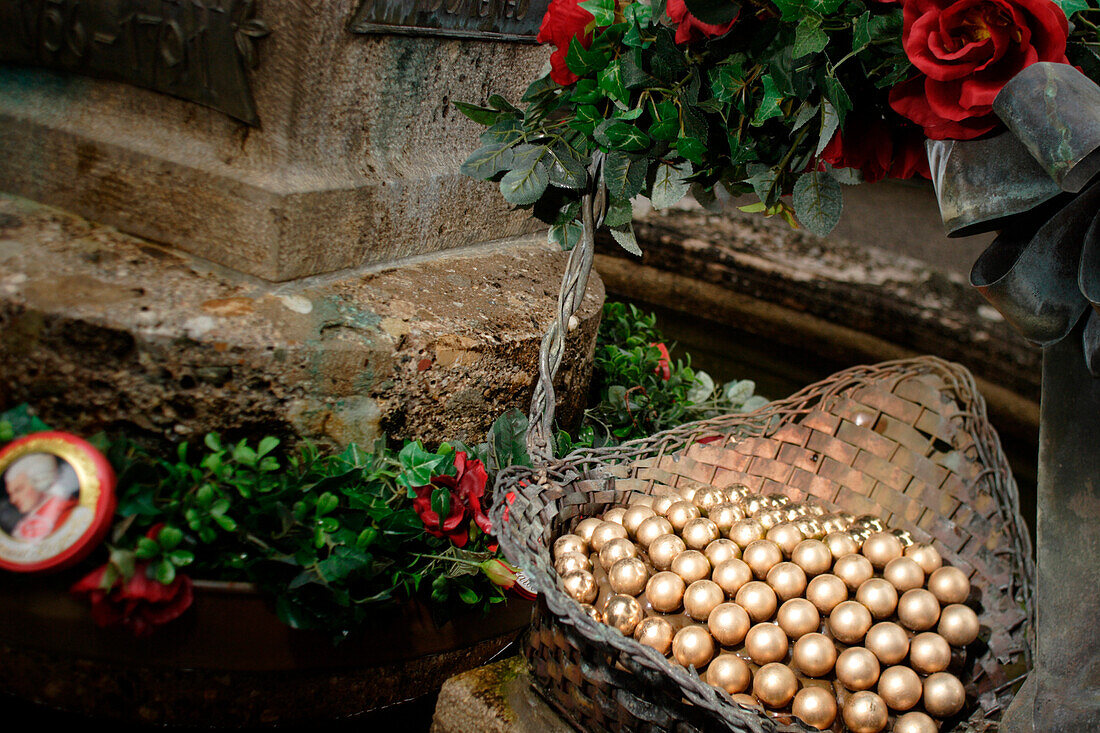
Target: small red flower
467, 488
878, 148
664, 368
689, 28
140, 603
564, 20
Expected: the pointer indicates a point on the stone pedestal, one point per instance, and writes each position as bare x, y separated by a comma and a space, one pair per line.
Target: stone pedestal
496, 698
354, 158
102, 330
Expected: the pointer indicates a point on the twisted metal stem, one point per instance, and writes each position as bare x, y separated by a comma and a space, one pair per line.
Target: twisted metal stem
574, 282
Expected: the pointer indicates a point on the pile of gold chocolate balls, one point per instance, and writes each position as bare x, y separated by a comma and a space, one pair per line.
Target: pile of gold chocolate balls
822, 616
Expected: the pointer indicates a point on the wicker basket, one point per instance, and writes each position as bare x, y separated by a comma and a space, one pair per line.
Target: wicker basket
907, 441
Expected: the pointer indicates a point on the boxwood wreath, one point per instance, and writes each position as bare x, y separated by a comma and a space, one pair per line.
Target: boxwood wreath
783, 100
328, 537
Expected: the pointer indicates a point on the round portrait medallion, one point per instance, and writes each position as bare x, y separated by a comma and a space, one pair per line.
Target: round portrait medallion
57, 497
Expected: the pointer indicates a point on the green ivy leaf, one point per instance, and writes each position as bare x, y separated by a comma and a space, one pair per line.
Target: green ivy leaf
639, 13
602, 10
624, 236
585, 119
610, 81
441, 503
508, 441
1069, 7
796, 9
769, 106
692, 149
541, 86
586, 91
809, 38
498, 102
529, 177
670, 184
841, 102
584, 62
727, 79
419, 466
817, 201
480, 115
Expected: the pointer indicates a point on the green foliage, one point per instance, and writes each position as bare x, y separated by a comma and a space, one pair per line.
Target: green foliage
752, 110
630, 396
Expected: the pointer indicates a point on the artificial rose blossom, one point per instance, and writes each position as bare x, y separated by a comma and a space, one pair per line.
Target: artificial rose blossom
663, 369
466, 488
564, 20
689, 28
878, 148
139, 603
966, 51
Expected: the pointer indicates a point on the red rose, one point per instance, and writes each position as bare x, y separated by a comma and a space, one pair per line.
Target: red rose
966, 50
689, 28
140, 603
564, 20
878, 148
663, 370
466, 491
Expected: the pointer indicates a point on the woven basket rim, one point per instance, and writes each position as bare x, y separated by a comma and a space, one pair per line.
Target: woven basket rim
535, 486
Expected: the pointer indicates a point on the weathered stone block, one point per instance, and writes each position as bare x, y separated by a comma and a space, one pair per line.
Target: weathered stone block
496, 698
355, 159
101, 330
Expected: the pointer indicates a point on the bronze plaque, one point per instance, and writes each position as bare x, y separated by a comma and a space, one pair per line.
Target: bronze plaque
198, 50
490, 20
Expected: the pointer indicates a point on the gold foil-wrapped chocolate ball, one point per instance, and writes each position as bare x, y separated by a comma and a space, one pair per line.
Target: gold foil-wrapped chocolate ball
624, 613
776, 499
854, 570
766, 643
841, 544
687, 493
849, 622
762, 556
615, 550
731, 575
628, 576
865, 712
758, 599
691, 565
813, 556
958, 625
585, 527
918, 609
665, 590
655, 632
753, 503
814, 655
606, 532
769, 518
879, 596
888, 641
693, 646
662, 504
729, 672
900, 687
882, 547
709, 498
826, 592
926, 556
786, 536
949, 585
664, 549
747, 701
736, 492
699, 532
701, 597
871, 522
810, 527
943, 695
569, 543
721, 550
915, 722
798, 617
857, 668
746, 531
614, 515
571, 561
787, 580
681, 513
592, 613
581, 586
725, 515
634, 517
904, 574
774, 685
650, 529
929, 653
815, 706
728, 623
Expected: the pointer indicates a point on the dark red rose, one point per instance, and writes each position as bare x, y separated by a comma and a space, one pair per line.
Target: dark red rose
139, 604
466, 491
564, 20
966, 50
689, 28
879, 148
664, 369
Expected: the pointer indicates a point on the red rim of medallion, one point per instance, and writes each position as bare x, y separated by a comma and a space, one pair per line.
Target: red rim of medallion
95, 498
